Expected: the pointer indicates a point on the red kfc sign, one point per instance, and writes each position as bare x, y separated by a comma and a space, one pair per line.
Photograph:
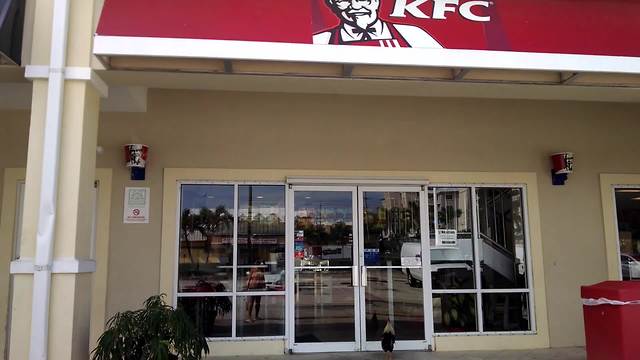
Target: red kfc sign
595, 27
361, 23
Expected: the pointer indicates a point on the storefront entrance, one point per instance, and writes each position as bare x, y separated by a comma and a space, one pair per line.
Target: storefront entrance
358, 255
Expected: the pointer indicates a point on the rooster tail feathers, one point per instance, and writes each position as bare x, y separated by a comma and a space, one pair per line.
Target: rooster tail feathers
388, 329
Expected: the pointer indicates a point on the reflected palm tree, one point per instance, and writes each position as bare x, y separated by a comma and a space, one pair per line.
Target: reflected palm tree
187, 227
210, 222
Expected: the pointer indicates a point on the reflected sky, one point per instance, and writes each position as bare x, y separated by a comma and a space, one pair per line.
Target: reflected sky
264, 200
326, 207
197, 196
329, 199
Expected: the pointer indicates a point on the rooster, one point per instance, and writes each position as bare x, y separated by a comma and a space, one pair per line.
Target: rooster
388, 340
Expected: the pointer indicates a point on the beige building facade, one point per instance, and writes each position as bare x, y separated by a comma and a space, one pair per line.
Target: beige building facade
297, 131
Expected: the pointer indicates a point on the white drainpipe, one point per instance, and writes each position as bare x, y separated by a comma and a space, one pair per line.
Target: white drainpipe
49, 187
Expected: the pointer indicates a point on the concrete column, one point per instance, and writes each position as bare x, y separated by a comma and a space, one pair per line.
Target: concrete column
70, 296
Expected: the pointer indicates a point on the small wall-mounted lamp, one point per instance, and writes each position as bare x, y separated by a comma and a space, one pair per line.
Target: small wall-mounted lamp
561, 167
136, 159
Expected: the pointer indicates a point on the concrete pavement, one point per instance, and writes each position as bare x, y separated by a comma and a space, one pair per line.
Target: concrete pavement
546, 354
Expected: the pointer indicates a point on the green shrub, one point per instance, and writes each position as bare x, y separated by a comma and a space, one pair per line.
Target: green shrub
155, 332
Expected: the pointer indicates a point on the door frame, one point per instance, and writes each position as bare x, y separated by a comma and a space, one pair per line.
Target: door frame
609, 183
357, 189
290, 289
427, 343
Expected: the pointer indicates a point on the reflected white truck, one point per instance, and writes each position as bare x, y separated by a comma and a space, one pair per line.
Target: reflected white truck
630, 267
411, 255
459, 256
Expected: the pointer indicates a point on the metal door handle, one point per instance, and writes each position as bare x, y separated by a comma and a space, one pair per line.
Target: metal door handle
354, 276
364, 276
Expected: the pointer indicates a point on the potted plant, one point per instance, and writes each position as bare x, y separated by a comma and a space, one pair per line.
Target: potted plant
157, 331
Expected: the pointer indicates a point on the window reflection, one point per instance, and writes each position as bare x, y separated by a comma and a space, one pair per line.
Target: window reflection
261, 238
260, 316
206, 258
391, 229
389, 297
454, 313
323, 228
497, 234
210, 315
451, 238
628, 215
502, 241
506, 312
206, 238
328, 293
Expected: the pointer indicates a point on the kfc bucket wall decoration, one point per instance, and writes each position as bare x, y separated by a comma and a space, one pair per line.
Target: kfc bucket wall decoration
136, 159
561, 167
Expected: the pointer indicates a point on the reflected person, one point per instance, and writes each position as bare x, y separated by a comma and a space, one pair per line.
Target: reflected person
255, 282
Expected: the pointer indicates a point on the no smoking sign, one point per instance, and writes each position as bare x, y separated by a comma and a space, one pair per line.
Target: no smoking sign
136, 205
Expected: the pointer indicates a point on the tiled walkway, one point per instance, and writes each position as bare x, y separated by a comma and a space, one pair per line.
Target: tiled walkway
548, 354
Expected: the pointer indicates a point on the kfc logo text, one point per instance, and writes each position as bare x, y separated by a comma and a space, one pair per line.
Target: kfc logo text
468, 10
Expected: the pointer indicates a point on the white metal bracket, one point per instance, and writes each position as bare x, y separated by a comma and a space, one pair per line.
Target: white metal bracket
60, 266
78, 73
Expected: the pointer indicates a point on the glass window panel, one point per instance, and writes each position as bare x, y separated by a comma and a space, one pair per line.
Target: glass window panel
323, 228
628, 214
391, 227
388, 296
451, 239
206, 238
260, 316
261, 238
505, 312
324, 309
211, 315
502, 238
454, 313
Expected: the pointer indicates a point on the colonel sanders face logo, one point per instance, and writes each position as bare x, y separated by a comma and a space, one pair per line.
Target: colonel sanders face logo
360, 24
360, 13
136, 155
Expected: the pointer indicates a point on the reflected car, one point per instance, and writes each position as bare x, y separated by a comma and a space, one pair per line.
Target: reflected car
630, 267
411, 255
275, 282
314, 263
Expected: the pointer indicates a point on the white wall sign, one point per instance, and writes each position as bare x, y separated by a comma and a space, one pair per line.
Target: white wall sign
447, 237
136, 205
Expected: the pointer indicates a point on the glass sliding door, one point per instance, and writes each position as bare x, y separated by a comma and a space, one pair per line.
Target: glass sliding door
392, 226
358, 264
325, 307
627, 201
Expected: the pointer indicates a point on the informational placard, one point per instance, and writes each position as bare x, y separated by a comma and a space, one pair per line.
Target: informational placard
136, 205
298, 247
371, 257
446, 238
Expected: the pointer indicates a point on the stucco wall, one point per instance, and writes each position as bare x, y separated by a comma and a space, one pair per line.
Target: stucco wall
253, 130
14, 132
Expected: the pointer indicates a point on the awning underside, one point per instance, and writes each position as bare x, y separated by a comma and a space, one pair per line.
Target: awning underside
364, 71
